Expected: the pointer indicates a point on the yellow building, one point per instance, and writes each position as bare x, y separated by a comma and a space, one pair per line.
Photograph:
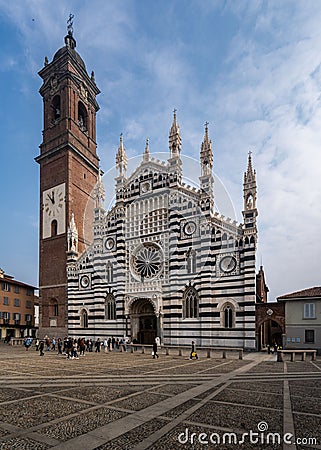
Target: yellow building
17, 308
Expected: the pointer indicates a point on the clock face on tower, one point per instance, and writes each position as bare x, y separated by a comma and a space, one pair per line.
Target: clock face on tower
54, 207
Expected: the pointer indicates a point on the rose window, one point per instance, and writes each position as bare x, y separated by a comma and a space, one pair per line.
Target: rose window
147, 260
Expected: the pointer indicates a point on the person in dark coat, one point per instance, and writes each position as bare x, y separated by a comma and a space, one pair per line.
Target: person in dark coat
155, 350
193, 351
41, 347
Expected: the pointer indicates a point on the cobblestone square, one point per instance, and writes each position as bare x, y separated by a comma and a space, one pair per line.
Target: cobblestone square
129, 401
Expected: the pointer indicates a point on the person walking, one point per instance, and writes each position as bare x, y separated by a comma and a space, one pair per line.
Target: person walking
97, 345
155, 350
193, 351
59, 344
82, 347
41, 347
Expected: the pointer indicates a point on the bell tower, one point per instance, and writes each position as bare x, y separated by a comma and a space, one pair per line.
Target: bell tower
69, 168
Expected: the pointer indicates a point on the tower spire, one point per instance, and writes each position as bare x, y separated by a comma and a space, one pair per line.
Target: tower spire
72, 239
99, 192
175, 141
175, 145
121, 158
146, 154
250, 174
249, 197
206, 155
206, 178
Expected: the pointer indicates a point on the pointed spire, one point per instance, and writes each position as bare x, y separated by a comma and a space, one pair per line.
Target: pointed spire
250, 174
121, 158
99, 192
175, 142
206, 156
146, 152
249, 186
72, 236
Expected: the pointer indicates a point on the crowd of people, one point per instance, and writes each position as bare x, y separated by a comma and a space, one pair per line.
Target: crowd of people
73, 348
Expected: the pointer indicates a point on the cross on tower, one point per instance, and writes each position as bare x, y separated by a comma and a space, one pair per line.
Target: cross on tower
70, 23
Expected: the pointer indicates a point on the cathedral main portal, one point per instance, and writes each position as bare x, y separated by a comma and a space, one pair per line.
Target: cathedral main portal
143, 321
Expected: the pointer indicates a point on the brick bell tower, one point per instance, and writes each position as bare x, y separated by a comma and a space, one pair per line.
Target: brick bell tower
69, 168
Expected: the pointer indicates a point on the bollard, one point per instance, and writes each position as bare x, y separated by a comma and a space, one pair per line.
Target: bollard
224, 354
167, 351
208, 353
240, 354
143, 349
179, 352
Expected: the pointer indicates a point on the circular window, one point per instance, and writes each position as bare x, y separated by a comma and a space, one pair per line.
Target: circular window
110, 243
145, 187
84, 281
147, 260
189, 228
228, 264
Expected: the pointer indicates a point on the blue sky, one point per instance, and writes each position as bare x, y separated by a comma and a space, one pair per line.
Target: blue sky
250, 68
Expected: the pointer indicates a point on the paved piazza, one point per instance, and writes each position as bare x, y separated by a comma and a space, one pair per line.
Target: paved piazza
131, 401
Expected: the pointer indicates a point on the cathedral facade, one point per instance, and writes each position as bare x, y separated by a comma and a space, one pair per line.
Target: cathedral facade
160, 262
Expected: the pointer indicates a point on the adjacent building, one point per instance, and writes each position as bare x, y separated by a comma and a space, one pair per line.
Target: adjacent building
17, 308
303, 319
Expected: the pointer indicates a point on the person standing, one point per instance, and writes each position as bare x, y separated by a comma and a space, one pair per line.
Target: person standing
41, 347
59, 343
155, 350
193, 351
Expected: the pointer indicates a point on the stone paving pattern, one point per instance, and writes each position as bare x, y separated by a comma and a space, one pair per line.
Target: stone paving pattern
130, 401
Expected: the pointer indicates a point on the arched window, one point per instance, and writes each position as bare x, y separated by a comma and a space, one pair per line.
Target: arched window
54, 228
228, 316
249, 202
109, 273
53, 307
82, 117
56, 112
191, 261
83, 319
190, 304
110, 307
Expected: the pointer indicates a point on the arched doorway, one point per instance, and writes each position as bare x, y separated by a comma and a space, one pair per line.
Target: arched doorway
143, 321
270, 333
